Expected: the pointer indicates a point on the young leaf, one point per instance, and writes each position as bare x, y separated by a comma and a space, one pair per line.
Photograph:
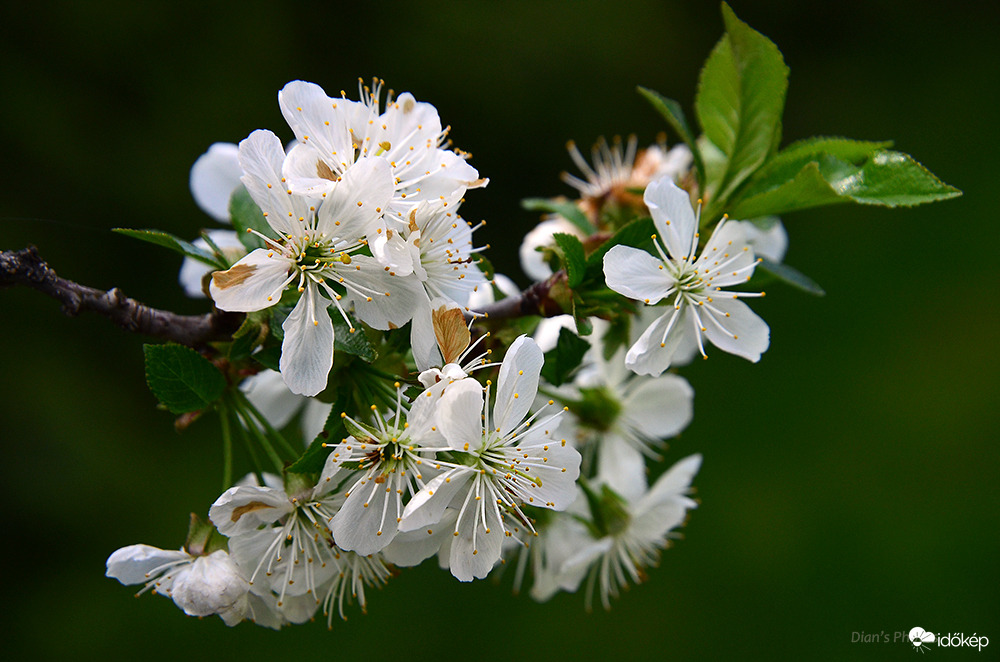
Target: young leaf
181, 378
740, 100
565, 358
636, 234
564, 208
176, 244
894, 179
573, 257
356, 343
791, 276
246, 215
674, 114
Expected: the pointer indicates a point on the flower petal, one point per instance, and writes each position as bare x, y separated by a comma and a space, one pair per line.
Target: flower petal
214, 177
742, 332
354, 205
427, 506
670, 207
637, 274
242, 509
138, 564
261, 157
459, 415
307, 349
647, 356
317, 120
517, 384
253, 283
659, 408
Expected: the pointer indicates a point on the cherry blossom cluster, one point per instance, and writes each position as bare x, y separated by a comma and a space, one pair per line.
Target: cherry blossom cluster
481, 463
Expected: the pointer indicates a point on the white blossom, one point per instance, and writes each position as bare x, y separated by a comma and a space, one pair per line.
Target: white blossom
214, 178
504, 461
312, 252
200, 585
697, 306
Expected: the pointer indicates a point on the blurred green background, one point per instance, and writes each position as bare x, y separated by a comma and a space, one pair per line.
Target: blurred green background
850, 478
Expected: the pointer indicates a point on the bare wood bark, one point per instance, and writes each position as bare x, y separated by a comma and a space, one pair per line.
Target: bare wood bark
534, 300
26, 267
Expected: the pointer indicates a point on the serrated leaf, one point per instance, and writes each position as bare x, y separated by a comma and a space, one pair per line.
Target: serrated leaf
895, 179
740, 100
175, 244
181, 378
671, 111
564, 208
573, 257
313, 459
792, 277
246, 215
846, 149
888, 178
356, 343
566, 357
637, 234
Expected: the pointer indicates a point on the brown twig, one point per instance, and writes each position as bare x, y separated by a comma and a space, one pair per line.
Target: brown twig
26, 267
535, 300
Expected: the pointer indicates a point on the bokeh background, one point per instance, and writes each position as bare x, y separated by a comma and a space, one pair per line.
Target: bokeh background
850, 478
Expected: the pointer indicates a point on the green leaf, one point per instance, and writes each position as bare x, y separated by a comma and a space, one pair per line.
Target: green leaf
181, 378
356, 343
175, 244
314, 458
894, 179
565, 358
246, 215
269, 357
740, 100
637, 234
791, 276
845, 149
573, 257
564, 208
674, 114
887, 178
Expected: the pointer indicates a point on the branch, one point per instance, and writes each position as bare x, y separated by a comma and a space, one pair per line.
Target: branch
26, 267
535, 300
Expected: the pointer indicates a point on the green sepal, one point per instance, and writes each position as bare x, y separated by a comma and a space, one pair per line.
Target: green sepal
175, 244
739, 103
671, 111
246, 215
313, 459
564, 208
791, 276
573, 256
356, 344
202, 538
561, 361
181, 378
251, 335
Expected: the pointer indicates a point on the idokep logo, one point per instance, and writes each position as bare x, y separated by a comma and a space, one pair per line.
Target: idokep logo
922, 640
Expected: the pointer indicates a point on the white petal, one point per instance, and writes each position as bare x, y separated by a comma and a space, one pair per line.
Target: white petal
666, 503
193, 272
745, 334
214, 585
422, 339
621, 467
767, 237
637, 274
138, 564
267, 392
314, 416
317, 120
555, 468
427, 506
547, 332
356, 526
242, 509
411, 548
646, 356
459, 415
384, 311
307, 349
659, 408
261, 157
670, 207
253, 283
476, 548
354, 205
726, 259
517, 384
532, 262
214, 177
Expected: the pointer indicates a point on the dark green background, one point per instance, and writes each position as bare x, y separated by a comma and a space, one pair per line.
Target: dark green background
850, 478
